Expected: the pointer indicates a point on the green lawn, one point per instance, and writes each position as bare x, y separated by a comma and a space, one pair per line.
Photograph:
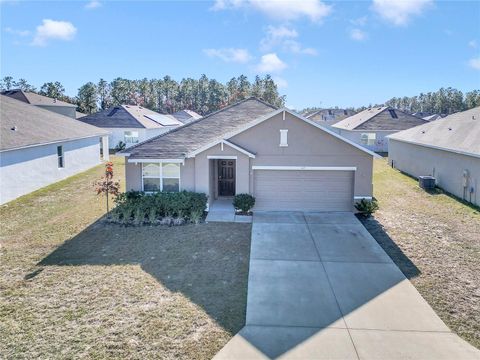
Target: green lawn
72, 286
435, 240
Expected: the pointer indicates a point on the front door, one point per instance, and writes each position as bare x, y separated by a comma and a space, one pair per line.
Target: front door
226, 177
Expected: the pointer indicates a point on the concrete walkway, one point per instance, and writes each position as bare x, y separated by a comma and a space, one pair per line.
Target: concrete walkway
222, 210
320, 287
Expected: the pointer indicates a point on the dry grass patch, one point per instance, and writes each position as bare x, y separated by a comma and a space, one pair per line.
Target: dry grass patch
72, 286
435, 240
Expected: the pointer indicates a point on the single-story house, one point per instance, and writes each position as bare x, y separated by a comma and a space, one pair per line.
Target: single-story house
432, 117
447, 148
369, 128
186, 116
329, 116
44, 102
131, 124
39, 147
286, 161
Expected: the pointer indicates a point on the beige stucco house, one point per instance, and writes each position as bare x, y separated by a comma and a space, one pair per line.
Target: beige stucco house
285, 160
447, 148
370, 128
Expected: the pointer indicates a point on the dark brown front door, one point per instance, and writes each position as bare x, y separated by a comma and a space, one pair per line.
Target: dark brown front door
226, 177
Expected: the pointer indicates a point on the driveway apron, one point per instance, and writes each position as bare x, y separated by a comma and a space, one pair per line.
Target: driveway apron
320, 287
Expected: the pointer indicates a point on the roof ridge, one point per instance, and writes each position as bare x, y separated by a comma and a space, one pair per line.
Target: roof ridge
199, 120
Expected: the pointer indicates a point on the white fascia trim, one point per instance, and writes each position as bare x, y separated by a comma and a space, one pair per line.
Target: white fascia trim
318, 168
52, 142
362, 197
222, 157
222, 142
176, 161
435, 147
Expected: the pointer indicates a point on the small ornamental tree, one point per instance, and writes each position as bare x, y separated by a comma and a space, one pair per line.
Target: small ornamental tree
106, 185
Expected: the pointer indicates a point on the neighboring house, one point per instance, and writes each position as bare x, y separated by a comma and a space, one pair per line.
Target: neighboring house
44, 102
432, 117
285, 160
131, 124
39, 147
448, 149
186, 116
329, 116
79, 114
370, 127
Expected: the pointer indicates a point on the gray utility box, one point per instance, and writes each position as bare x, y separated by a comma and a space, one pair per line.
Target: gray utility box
426, 182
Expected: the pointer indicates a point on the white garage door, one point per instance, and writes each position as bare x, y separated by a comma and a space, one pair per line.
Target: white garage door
304, 190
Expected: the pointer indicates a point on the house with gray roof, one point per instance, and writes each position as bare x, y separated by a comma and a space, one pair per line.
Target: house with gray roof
447, 149
44, 102
131, 124
370, 128
286, 161
329, 116
39, 147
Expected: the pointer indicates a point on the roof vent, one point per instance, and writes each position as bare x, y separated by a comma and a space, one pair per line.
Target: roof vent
423, 131
54, 100
449, 128
14, 128
473, 117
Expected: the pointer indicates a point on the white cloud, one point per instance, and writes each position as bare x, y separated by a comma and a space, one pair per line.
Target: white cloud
474, 63
361, 21
230, 54
93, 4
400, 12
473, 44
53, 30
282, 36
358, 35
17, 32
315, 10
270, 63
280, 82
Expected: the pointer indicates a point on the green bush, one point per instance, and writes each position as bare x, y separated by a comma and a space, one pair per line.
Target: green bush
243, 202
137, 208
120, 146
367, 207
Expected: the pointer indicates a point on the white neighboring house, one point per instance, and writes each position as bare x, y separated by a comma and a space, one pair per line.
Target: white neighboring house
131, 124
44, 102
371, 127
39, 147
447, 148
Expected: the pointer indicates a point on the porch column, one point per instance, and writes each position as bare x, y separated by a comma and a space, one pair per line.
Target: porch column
105, 148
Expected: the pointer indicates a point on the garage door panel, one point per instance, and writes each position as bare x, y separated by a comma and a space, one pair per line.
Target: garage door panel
308, 190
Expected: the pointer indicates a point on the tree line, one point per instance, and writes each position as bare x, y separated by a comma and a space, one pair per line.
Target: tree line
164, 95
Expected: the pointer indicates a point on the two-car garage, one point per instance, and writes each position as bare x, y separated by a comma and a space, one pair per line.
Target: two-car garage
303, 188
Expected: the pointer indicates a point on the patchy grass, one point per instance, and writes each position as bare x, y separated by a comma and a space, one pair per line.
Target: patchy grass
435, 240
72, 286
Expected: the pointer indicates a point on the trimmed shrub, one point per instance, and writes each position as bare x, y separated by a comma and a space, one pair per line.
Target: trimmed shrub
166, 208
367, 207
243, 202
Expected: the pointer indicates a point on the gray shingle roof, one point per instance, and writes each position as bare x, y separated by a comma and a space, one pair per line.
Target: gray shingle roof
178, 142
37, 126
130, 116
379, 118
35, 99
459, 132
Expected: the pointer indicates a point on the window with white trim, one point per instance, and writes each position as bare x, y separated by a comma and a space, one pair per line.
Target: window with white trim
161, 177
368, 139
283, 138
131, 137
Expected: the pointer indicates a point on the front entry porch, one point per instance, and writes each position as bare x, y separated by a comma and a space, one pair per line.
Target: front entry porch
221, 210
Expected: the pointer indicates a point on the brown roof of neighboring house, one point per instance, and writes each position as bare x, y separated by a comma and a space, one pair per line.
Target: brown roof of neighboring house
25, 125
192, 136
459, 132
35, 99
380, 118
130, 116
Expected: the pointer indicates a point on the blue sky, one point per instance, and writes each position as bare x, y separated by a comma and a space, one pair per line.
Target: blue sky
347, 53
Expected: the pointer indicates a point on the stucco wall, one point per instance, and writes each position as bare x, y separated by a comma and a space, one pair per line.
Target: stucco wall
62, 110
381, 142
25, 170
447, 167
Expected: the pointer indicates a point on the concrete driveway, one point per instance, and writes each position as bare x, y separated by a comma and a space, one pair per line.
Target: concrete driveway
320, 287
